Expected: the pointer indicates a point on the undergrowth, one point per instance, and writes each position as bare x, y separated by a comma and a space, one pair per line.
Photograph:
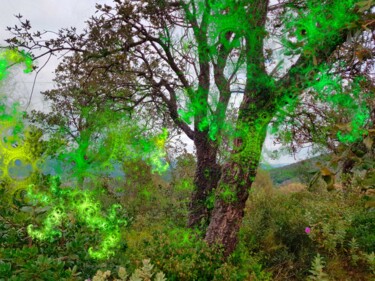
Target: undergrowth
287, 234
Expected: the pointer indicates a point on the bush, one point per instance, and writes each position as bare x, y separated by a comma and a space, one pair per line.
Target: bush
178, 252
363, 229
286, 232
274, 230
283, 232
143, 274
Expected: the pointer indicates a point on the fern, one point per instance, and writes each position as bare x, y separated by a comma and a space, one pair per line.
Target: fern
317, 270
122, 274
160, 276
354, 251
370, 258
101, 276
143, 274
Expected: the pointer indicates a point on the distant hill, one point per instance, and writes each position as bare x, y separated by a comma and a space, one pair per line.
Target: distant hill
296, 172
279, 173
266, 166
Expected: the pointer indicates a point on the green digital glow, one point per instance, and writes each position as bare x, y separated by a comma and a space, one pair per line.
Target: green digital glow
82, 203
310, 29
317, 24
70, 201
88, 157
14, 153
114, 138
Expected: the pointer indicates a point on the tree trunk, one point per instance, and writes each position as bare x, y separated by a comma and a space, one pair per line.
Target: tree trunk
233, 188
229, 207
254, 115
207, 175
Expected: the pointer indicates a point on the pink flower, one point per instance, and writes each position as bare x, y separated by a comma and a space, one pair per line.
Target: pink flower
307, 230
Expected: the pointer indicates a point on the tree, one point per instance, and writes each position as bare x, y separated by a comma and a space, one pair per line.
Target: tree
191, 57
319, 121
87, 105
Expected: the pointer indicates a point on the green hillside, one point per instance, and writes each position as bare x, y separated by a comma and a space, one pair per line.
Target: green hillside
297, 172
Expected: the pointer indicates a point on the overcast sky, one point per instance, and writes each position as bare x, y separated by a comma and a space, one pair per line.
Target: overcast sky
52, 15
43, 15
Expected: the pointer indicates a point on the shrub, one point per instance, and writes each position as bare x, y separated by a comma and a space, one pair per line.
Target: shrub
178, 252
143, 274
274, 230
363, 229
317, 270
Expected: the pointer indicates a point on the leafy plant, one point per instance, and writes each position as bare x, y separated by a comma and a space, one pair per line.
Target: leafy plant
370, 259
146, 273
317, 270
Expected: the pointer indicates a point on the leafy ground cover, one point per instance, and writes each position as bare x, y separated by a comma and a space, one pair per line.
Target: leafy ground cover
288, 233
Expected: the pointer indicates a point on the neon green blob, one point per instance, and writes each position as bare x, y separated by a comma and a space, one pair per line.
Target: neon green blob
88, 158
321, 23
11, 57
17, 160
79, 200
12, 129
81, 204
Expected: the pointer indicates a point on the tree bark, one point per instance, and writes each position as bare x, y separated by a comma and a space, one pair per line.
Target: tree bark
237, 176
231, 196
229, 207
207, 175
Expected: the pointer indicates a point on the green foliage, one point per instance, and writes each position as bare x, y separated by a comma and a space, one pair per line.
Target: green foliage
143, 274
275, 232
317, 270
64, 204
273, 242
312, 27
329, 220
29, 264
13, 56
353, 250
67, 220
370, 259
27, 259
360, 220
178, 252
243, 265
